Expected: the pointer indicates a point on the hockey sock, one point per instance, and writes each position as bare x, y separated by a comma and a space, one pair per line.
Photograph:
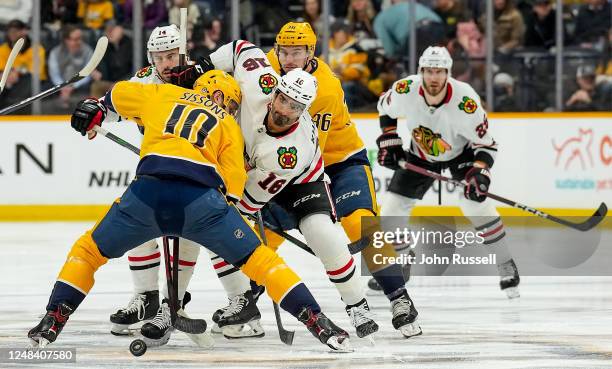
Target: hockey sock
76, 278
330, 246
144, 266
284, 287
233, 280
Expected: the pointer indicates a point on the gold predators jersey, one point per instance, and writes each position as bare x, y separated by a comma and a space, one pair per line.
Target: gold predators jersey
338, 136
186, 134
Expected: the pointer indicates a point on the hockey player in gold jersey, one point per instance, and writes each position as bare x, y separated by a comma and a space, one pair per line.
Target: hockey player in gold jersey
191, 155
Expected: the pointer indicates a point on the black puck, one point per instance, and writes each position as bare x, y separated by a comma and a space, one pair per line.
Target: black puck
138, 347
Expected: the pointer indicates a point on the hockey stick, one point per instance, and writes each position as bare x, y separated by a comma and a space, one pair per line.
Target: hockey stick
286, 336
182, 323
117, 139
594, 220
183, 33
9, 63
97, 56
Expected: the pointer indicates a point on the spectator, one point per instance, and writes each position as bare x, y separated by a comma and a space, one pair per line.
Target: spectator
541, 27
312, 15
18, 84
503, 90
66, 60
94, 13
360, 16
392, 26
154, 12
206, 39
117, 62
509, 27
592, 23
193, 14
451, 12
590, 96
59, 11
349, 63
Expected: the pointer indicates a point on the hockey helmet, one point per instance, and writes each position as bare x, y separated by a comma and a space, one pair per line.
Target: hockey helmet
299, 85
297, 34
163, 39
436, 57
217, 80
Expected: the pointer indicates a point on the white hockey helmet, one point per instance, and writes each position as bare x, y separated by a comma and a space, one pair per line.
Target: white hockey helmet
436, 57
299, 85
163, 39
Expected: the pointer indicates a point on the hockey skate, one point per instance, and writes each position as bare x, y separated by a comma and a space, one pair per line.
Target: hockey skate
142, 307
405, 316
509, 279
240, 313
325, 330
157, 332
50, 326
362, 318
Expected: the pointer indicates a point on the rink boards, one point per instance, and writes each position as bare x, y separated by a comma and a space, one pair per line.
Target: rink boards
558, 161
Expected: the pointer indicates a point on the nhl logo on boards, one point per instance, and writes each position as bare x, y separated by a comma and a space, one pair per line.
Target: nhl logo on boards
287, 158
468, 105
238, 234
403, 86
267, 82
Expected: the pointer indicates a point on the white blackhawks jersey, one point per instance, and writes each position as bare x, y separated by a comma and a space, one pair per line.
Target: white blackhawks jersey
273, 161
440, 134
147, 75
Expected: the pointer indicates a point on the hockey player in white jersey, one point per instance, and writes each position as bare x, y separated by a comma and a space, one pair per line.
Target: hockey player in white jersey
285, 164
144, 261
449, 130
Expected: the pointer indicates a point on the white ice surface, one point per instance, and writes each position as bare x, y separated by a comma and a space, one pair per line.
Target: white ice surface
467, 322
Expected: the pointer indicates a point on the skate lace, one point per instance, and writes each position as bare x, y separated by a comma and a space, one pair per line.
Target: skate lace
136, 304
360, 315
401, 306
236, 304
162, 319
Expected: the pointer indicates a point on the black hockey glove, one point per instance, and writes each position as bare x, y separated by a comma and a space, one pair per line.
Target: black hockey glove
478, 181
390, 150
186, 75
88, 114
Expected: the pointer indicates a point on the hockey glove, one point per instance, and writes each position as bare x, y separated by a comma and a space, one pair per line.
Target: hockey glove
478, 181
186, 75
390, 150
88, 114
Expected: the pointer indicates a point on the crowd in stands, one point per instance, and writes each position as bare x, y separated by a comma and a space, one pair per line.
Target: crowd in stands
368, 46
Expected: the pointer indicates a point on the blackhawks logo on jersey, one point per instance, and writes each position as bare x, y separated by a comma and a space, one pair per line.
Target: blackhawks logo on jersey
430, 142
287, 157
267, 82
144, 72
403, 86
468, 105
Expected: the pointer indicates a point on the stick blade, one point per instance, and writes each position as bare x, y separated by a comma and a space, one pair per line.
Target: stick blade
191, 326
9, 63
595, 219
96, 57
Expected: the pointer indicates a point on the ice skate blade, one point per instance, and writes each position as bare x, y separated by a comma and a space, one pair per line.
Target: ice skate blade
339, 347
41, 343
238, 331
411, 330
512, 292
152, 342
123, 330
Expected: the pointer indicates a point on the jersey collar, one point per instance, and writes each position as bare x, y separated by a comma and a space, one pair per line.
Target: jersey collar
289, 131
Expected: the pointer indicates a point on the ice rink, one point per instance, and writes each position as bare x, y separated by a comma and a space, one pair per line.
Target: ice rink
467, 322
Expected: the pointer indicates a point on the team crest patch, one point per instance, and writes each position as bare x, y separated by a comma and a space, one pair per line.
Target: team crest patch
144, 72
287, 157
267, 82
238, 233
430, 142
468, 105
403, 86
